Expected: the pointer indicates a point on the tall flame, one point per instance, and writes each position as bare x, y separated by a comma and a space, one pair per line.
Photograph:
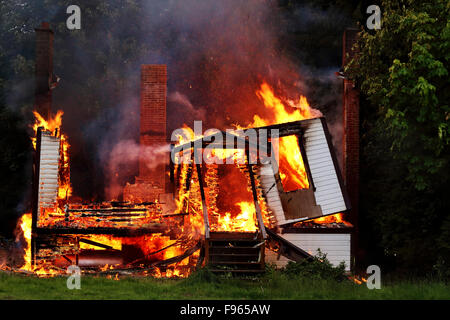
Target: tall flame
53, 124
244, 221
24, 225
292, 168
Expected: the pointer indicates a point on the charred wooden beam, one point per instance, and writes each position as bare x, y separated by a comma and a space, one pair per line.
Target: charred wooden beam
301, 146
168, 215
179, 258
188, 177
155, 228
255, 199
109, 210
131, 219
95, 243
171, 165
201, 258
152, 253
67, 258
128, 215
320, 229
288, 249
123, 204
202, 193
284, 129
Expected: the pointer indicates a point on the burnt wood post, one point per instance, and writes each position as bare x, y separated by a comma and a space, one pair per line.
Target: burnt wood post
202, 192
204, 208
301, 146
255, 195
173, 187
35, 195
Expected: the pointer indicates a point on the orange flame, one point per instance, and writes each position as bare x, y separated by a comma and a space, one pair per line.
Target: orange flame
53, 124
24, 224
291, 166
334, 218
244, 221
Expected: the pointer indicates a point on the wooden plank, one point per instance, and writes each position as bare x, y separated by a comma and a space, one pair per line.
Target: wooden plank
262, 228
331, 208
319, 166
202, 193
319, 237
329, 197
95, 243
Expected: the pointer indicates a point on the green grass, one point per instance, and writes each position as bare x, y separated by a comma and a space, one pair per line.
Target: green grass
272, 286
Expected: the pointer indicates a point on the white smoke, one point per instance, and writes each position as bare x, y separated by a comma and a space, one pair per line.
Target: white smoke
127, 153
188, 109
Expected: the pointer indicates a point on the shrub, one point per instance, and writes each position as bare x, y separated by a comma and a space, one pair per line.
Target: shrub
318, 268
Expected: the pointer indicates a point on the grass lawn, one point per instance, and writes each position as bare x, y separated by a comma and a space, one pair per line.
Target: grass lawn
273, 286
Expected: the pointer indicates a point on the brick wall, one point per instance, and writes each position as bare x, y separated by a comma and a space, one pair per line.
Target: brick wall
153, 119
44, 69
351, 136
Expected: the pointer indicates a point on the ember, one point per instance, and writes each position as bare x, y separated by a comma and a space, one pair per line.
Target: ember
331, 221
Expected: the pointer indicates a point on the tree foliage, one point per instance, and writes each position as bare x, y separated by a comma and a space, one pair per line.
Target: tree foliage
403, 71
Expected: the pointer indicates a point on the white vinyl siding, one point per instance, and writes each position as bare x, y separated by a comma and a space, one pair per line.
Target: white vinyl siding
270, 190
328, 192
335, 246
48, 170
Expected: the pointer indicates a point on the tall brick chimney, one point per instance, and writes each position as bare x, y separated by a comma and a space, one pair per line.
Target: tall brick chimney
153, 119
44, 70
350, 161
150, 185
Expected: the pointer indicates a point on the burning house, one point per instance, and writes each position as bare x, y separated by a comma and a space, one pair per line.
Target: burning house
272, 199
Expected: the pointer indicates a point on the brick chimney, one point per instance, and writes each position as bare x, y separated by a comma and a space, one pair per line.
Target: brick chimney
153, 118
350, 161
44, 69
150, 185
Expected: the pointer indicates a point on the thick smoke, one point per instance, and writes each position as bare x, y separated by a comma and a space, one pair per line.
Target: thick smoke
217, 54
181, 103
127, 152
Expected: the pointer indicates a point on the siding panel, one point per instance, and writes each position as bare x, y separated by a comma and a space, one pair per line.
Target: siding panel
335, 246
328, 191
48, 171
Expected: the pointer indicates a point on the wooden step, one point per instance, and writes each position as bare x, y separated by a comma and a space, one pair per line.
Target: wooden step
231, 236
214, 257
234, 244
233, 250
233, 263
239, 271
